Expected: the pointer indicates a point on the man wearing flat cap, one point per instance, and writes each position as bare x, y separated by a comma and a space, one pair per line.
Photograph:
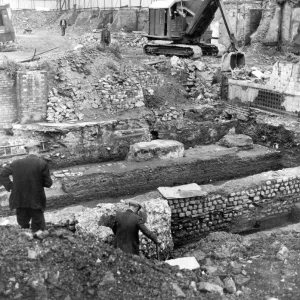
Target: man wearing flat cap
127, 227
30, 176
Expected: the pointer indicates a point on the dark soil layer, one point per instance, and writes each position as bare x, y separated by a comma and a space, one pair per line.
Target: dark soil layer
65, 266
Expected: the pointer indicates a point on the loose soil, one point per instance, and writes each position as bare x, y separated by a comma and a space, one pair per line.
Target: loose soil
66, 266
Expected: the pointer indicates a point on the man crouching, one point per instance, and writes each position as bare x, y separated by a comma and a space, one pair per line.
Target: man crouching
30, 176
126, 229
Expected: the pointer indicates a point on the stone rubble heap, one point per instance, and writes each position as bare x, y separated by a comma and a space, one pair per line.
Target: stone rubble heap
61, 109
117, 93
198, 77
134, 39
253, 74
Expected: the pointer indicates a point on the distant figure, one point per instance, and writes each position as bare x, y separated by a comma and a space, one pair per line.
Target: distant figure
30, 176
126, 229
105, 36
63, 25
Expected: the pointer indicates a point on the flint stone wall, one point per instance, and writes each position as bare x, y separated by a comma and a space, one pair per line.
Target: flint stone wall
236, 205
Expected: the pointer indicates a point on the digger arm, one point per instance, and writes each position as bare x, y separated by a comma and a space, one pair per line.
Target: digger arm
205, 15
227, 24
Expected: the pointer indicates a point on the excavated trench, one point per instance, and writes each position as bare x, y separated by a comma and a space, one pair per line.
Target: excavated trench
112, 181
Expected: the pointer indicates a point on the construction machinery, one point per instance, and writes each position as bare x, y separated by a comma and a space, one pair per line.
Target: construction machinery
176, 27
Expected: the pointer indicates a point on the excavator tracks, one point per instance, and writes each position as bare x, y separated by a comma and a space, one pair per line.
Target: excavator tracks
192, 51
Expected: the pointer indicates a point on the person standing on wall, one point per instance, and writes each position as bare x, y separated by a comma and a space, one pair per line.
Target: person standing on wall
63, 25
30, 175
106, 36
127, 227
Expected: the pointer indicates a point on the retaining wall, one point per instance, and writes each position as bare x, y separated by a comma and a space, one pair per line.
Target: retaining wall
235, 205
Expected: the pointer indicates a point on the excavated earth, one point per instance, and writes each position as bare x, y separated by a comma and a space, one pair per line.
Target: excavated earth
66, 266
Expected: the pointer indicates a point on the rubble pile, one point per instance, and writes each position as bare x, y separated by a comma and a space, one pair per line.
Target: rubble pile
198, 78
63, 265
26, 19
118, 93
134, 39
253, 74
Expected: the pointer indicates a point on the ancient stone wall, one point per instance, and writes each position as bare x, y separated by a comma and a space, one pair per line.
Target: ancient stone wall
32, 91
236, 205
8, 99
82, 143
200, 165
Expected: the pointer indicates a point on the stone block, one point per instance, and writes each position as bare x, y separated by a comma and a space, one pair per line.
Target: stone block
162, 149
189, 263
240, 141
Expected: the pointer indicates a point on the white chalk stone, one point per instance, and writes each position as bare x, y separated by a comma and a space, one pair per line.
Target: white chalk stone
162, 149
189, 263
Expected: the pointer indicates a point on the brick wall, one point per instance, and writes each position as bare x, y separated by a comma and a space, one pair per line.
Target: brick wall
8, 99
32, 94
236, 205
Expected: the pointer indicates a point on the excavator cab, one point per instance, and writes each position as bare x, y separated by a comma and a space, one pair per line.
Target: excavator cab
176, 27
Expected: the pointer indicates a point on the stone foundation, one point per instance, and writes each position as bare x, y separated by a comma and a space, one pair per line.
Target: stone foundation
236, 205
201, 165
72, 144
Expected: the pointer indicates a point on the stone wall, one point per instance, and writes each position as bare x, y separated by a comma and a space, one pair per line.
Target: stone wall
201, 165
236, 205
81, 143
32, 91
8, 99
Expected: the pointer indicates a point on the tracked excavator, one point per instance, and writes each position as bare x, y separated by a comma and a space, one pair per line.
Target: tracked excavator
176, 28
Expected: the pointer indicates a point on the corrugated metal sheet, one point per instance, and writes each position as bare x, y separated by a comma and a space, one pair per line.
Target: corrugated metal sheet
54, 4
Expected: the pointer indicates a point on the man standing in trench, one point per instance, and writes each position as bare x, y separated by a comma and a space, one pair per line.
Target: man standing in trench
127, 227
30, 176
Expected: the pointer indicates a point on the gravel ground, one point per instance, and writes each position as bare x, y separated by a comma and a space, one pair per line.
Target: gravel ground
66, 266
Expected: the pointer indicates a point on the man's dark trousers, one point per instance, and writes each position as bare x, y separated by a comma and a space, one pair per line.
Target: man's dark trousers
25, 214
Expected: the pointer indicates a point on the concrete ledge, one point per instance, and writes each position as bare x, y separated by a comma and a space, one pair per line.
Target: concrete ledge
162, 149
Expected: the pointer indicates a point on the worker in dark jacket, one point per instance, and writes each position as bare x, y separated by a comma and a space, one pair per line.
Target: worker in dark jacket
63, 25
127, 228
30, 176
105, 36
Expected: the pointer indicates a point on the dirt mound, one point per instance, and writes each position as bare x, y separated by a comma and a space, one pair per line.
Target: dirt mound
27, 19
65, 266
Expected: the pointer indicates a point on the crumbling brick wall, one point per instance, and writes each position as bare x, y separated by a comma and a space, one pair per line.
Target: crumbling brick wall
32, 91
237, 205
8, 99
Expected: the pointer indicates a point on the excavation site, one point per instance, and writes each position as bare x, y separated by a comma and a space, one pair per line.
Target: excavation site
149, 149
